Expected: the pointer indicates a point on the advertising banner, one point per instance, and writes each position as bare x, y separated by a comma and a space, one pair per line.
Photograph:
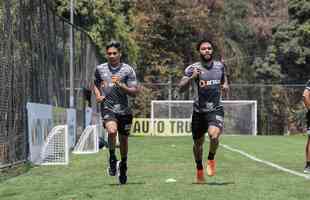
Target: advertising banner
41, 119
40, 123
161, 127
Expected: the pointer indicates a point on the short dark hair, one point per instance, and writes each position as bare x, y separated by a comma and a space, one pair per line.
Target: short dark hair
115, 44
203, 41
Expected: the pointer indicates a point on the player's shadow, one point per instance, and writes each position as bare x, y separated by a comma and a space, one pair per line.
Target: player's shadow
215, 183
128, 183
221, 183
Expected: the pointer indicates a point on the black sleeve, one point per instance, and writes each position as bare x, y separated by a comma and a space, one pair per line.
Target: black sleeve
97, 80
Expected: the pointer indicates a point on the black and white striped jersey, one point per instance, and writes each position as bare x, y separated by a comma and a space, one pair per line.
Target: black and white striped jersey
208, 85
308, 85
116, 99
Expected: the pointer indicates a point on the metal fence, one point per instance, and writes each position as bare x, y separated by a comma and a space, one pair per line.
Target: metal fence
280, 110
34, 67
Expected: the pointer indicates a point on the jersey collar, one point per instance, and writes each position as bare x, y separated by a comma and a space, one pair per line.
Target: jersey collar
117, 68
206, 65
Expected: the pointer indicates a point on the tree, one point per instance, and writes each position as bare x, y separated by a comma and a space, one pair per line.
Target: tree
290, 48
104, 20
286, 61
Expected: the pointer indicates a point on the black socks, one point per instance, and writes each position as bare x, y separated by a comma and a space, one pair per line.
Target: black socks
199, 164
211, 156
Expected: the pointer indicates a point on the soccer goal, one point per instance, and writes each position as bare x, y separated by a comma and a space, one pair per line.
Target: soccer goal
174, 117
55, 150
89, 141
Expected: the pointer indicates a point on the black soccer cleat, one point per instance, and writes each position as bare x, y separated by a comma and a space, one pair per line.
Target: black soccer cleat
112, 167
122, 172
307, 170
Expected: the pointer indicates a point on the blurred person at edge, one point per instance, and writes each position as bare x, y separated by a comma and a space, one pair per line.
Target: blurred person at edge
306, 99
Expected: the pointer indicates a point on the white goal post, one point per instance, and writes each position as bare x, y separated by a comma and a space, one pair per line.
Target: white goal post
55, 150
89, 141
240, 117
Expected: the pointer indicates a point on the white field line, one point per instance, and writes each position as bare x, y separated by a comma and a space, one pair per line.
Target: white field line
265, 162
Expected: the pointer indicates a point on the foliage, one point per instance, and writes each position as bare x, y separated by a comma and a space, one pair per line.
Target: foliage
285, 62
167, 31
104, 20
241, 43
160, 40
290, 48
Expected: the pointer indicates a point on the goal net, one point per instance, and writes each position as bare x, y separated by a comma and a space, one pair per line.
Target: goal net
89, 141
170, 118
55, 150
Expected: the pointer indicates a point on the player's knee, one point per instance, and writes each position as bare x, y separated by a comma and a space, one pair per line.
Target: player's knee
214, 140
112, 131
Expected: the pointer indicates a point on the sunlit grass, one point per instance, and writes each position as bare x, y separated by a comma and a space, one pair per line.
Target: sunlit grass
153, 160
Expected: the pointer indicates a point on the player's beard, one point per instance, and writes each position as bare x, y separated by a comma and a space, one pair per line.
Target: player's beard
204, 59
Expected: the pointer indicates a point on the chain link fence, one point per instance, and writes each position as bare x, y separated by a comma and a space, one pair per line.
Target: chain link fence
280, 110
34, 67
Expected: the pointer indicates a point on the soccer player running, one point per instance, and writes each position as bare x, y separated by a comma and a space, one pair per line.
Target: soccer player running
208, 114
114, 81
306, 98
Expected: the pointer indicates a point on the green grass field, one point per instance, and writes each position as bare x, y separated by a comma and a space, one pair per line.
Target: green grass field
152, 160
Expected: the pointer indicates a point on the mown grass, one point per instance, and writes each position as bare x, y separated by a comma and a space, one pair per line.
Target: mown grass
153, 160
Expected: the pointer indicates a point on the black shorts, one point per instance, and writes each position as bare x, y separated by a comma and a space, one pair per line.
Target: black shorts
308, 119
123, 121
308, 122
202, 121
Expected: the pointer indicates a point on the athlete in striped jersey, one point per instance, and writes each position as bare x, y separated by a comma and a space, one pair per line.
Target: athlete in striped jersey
306, 96
114, 81
208, 113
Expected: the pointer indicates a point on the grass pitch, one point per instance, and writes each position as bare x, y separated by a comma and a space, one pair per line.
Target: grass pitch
153, 160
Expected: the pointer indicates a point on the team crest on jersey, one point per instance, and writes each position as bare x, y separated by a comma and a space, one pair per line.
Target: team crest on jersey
209, 106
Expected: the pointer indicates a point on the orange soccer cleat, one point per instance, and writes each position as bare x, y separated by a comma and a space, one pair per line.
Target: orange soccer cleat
200, 178
211, 166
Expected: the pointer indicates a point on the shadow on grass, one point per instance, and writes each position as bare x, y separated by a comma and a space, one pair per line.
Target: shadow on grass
128, 183
10, 172
215, 183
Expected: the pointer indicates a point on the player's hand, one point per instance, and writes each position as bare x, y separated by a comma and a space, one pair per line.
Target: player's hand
99, 98
225, 87
116, 79
119, 84
196, 73
225, 90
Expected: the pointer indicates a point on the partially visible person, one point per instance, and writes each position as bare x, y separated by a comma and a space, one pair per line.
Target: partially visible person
225, 85
208, 112
306, 98
114, 81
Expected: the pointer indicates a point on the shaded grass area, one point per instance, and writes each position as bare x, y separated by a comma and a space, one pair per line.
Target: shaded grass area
153, 160
10, 172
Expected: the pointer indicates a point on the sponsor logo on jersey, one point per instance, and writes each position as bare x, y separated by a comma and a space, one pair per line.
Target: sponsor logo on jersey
204, 83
